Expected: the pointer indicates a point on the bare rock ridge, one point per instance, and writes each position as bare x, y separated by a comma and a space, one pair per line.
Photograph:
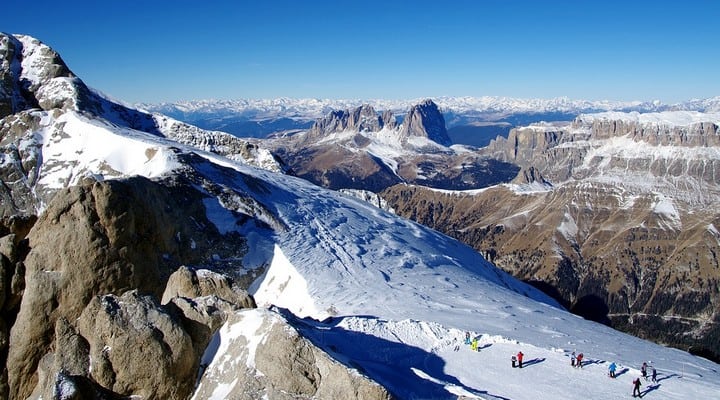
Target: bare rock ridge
423, 120
360, 119
561, 151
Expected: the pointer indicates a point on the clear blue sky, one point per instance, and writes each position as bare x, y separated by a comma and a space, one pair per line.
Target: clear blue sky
150, 51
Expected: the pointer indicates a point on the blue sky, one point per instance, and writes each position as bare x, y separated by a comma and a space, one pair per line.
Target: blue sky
150, 51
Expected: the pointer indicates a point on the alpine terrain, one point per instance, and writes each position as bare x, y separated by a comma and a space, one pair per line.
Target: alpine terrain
145, 258
614, 215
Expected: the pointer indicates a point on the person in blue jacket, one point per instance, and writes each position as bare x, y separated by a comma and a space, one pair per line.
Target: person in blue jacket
612, 369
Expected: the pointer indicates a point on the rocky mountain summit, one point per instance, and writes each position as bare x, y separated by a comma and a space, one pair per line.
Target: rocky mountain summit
362, 149
39, 94
614, 215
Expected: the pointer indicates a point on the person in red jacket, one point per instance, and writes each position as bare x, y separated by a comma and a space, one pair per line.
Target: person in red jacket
578, 363
519, 358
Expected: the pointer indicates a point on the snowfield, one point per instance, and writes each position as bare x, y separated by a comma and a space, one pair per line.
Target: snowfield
383, 295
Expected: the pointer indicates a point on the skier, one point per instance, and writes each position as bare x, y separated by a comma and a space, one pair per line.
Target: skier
467, 337
636, 387
519, 358
612, 369
643, 370
474, 345
572, 359
513, 359
578, 363
654, 375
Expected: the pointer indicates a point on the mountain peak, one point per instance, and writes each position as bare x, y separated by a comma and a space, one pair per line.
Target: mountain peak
425, 120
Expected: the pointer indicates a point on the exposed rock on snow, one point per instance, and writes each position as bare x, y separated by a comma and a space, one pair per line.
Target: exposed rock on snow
257, 354
190, 283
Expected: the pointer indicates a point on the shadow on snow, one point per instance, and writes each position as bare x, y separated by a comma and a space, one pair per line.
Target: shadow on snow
404, 370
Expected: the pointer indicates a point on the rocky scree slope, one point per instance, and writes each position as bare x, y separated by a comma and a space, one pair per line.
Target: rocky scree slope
616, 218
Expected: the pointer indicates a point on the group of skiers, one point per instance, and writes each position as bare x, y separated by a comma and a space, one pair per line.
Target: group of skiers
474, 343
577, 362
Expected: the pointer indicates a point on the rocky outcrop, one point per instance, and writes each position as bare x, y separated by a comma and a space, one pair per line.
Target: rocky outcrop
102, 238
191, 283
138, 348
360, 119
260, 355
425, 120
598, 145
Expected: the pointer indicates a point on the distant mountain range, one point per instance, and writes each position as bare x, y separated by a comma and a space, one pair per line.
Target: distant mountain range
466, 117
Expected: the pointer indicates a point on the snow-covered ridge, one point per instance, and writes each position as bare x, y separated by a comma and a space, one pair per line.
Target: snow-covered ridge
665, 118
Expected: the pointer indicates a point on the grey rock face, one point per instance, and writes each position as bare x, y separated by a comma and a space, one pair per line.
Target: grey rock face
138, 347
103, 238
262, 356
566, 152
191, 283
425, 120
361, 119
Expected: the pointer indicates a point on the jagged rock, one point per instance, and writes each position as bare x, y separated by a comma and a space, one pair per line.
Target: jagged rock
138, 348
191, 283
257, 354
425, 120
360, 119
529, 175
107, 237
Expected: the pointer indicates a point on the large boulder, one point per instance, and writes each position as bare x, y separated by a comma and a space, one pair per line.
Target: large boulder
138, 347
192, 283
258, 354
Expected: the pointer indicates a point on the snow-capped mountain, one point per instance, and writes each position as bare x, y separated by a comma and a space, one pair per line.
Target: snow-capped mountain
470, 120
39, 92
354, 302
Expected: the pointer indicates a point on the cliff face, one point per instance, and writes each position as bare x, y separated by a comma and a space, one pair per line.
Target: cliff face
425, 120
616, 219
598, 145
